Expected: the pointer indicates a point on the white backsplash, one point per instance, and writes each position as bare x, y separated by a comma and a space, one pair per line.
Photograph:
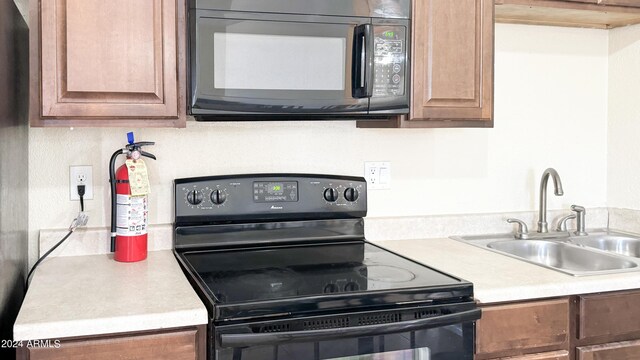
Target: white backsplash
624, 220
442, 226
93, 241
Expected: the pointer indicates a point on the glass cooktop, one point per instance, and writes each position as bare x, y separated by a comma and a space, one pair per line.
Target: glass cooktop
321, 273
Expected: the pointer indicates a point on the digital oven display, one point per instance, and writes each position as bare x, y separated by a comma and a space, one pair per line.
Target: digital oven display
274, 191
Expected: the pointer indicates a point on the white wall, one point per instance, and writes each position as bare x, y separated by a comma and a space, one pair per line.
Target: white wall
624, 118
550, 110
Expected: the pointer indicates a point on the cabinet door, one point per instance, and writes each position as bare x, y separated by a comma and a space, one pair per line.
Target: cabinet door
452, 60
555, 355
626, 350
523, 328
109, 59
173, 345
582, 1
609, 314
632, 3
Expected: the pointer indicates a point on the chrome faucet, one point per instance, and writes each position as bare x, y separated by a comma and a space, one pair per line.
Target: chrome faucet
542, 217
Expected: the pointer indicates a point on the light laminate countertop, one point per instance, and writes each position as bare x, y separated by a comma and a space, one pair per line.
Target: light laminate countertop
91, 295
499, 278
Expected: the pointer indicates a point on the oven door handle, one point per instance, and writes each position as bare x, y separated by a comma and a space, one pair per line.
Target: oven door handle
244, 340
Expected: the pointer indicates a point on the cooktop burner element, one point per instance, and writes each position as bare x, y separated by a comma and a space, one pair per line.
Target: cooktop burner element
285, 272
387, 274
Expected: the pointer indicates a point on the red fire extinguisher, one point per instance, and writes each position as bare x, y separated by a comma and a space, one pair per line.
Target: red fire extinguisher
129, 202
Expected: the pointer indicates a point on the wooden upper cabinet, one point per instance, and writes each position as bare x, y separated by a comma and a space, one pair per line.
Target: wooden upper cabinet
109, 63
599, 14
452, 60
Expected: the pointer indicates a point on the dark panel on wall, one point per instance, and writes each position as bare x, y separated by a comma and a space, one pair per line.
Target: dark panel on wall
14, 41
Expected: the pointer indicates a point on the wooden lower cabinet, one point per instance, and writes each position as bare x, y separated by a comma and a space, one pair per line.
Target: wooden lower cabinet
624, 350
177, 344
554, 355
607, 315
523, 328
631, 3
601, 326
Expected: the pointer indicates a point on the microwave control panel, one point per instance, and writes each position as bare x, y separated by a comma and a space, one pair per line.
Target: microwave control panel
390, 45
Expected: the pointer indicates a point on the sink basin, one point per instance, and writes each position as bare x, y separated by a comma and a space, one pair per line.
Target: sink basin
561, 256
610, 241
603, 251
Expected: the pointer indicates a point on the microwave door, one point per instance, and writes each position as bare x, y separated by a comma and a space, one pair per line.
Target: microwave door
273, 65
390, 93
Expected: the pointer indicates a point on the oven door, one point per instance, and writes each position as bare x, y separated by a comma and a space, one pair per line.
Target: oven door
416, 334
263, 64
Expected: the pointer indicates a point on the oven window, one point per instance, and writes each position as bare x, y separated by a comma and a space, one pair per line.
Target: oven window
452, 342
278, 62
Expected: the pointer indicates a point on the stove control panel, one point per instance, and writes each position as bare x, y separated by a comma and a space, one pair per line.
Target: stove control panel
269, 196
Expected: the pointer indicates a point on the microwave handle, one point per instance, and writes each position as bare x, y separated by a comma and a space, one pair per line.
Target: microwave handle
362, 64
245, 340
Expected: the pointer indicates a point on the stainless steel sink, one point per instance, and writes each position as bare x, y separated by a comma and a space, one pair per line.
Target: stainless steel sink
611, 241
561, 256
600, 252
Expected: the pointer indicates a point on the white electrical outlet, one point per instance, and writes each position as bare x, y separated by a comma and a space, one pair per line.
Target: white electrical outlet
80, 175
377, 174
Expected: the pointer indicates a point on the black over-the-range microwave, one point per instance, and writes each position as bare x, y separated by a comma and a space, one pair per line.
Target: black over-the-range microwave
298, 59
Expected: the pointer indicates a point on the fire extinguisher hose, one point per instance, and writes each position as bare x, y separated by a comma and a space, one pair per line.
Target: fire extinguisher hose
112, 181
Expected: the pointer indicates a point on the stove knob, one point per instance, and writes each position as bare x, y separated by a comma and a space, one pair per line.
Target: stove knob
194, 197
351, 194
330, 195
330, 288
351, 286
218, 197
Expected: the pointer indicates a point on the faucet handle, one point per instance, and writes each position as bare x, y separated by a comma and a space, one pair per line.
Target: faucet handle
523, 230
562, 223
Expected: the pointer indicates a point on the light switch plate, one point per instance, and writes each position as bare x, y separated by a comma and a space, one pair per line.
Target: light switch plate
377, 174
81, 175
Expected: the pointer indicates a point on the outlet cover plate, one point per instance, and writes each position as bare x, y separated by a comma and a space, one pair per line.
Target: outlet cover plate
378, 175
81, 175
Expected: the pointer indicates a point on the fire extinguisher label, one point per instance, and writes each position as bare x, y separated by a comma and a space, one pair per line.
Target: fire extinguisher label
132, 216
138, 177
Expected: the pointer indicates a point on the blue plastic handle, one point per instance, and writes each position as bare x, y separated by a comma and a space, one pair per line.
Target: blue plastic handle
130, 138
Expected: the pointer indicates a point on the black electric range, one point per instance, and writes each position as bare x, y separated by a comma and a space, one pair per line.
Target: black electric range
283, 267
